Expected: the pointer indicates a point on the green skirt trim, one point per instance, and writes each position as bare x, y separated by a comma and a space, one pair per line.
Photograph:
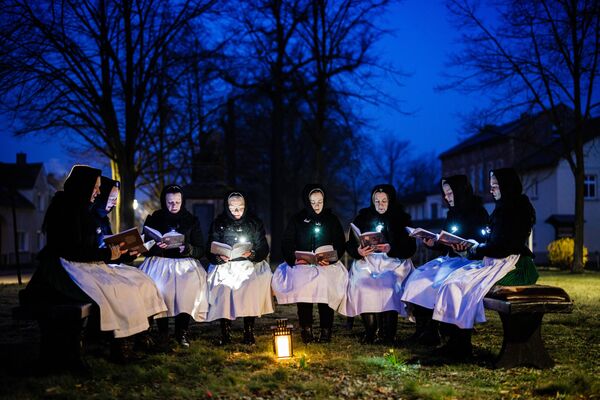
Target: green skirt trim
525, 273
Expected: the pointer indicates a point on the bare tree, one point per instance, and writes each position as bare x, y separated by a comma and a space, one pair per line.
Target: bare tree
540, 54
93, 69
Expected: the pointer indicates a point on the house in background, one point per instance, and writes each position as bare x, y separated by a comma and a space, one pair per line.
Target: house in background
24, 187
532, 145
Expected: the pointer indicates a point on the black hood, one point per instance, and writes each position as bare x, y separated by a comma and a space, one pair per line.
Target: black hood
106, 187
510, 184
171, 189
234, 193
80, 183
461, 189
391, 194
307, 191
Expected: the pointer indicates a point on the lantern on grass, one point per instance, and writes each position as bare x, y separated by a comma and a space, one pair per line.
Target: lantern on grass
282, 339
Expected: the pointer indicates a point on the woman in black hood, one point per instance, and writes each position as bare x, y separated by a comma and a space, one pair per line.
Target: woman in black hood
72, 266
177, 271
379, 270
297, 281
467, 218
239, 286
506, 261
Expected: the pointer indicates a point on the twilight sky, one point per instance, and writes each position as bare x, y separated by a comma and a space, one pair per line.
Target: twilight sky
423, 37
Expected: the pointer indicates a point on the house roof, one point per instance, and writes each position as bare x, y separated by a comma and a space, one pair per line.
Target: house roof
19, 176
20, 200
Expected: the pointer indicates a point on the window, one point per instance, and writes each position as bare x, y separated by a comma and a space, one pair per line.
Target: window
434, 210
590, 186
22, 241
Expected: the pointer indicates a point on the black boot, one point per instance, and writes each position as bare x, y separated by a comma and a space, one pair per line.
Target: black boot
249, 331
225, 332
390, 325
306, 334
163, 335
458, 347
182, 322
370, 323
326, 322
349, 323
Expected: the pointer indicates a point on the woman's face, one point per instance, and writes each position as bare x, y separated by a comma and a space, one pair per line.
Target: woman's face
448, 194
316, 202
380, 201
112, 198
96, 190
236, 205
495, 188
173, 201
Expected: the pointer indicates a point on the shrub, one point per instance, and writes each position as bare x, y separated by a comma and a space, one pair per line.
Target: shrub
560, 253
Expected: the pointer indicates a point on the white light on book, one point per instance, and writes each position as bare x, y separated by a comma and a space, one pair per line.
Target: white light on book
243, 239
379, 227
454, 228
282, 339
135, 204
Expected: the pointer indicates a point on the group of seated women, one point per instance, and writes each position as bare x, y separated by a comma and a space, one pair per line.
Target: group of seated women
444, 295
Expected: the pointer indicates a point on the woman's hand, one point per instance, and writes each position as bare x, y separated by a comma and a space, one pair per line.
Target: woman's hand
323, 262
459, 247
428, 242
365, 251
300, 262
134, 253
182, 248
384, 247
224, 258
115, 250
247, 254
162, 245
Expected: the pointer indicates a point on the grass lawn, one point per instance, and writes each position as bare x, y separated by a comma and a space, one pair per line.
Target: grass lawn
341, 369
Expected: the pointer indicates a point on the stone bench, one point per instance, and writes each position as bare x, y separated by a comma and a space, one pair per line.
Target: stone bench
521, 309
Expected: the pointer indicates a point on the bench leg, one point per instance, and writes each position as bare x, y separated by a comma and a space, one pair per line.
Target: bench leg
61, 343
523, 344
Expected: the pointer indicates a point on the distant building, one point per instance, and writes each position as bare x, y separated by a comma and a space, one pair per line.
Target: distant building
24, 187
532, 145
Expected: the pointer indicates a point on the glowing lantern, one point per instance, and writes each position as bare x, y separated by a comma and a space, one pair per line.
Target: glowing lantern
282, 339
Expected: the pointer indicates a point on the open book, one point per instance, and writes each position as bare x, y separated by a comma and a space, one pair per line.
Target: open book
173, 239
233, 252
368, 238
326, 252
132, 239
443, 237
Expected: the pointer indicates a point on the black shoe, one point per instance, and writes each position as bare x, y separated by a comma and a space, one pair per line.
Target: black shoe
370, 323
249, 338
249, 331
325, 336
306, 334
182, 339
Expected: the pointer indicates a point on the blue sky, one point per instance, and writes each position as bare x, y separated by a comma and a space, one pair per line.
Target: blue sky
422, 38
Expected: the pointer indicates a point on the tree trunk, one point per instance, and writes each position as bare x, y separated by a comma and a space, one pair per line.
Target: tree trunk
579, 175
126, 213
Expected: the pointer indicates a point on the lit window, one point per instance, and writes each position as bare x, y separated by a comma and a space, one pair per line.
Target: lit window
590, 186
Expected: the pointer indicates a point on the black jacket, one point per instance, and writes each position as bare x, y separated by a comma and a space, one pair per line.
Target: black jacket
183, 222
70, 231
511, 221
300, 233
467, 218
226, 229
393, 226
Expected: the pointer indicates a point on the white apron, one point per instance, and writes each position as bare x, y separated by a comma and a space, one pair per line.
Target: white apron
459, 300
182, 284
239, 289
311, 284
376, 285
422, 285
125, 297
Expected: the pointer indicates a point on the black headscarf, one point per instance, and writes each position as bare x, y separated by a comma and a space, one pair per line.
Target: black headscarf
230, 194
390, 191
80, 183
307, 191
509, 182
461, 190
106, 186
171, 219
